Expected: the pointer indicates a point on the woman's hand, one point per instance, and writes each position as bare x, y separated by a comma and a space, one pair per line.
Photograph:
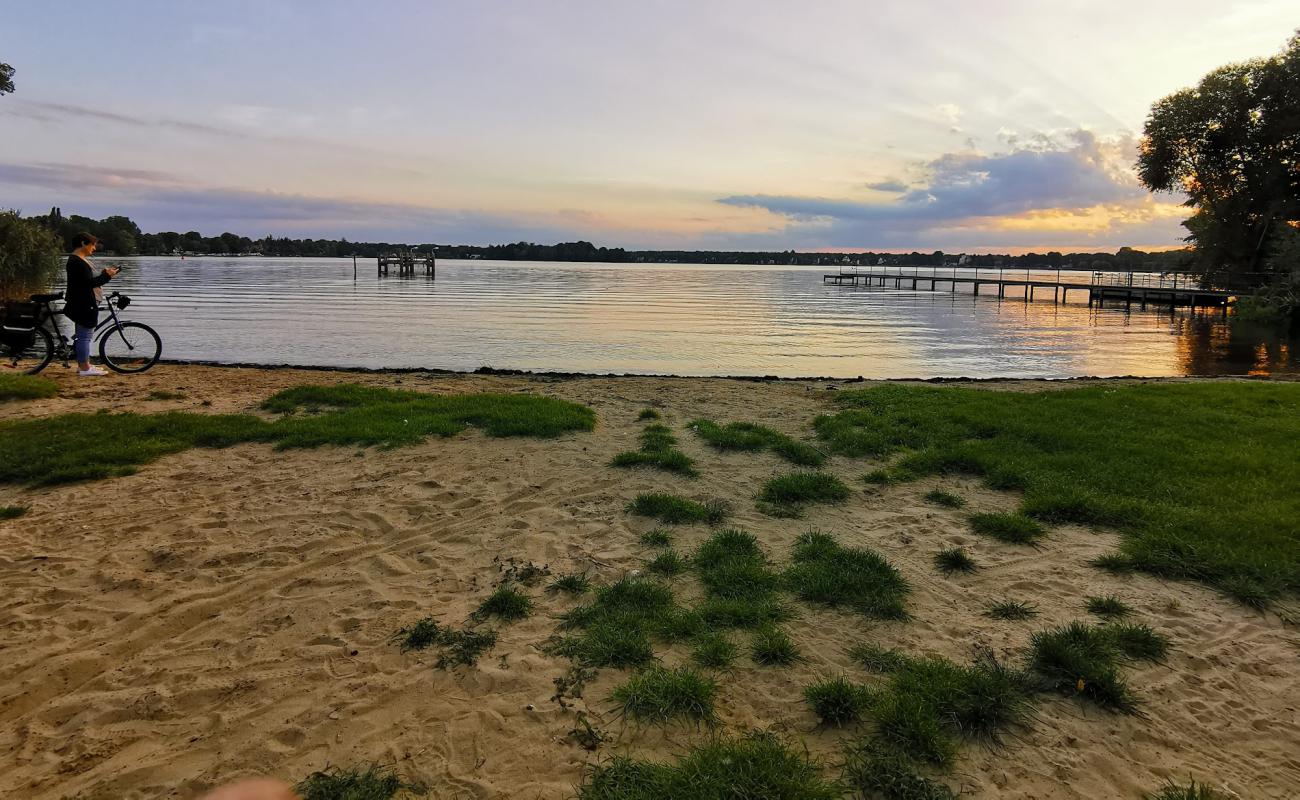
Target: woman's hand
112, 271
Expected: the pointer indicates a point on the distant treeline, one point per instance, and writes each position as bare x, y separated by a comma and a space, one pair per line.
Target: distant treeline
120, 236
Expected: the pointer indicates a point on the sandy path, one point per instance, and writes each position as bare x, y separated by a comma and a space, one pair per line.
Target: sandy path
225, 613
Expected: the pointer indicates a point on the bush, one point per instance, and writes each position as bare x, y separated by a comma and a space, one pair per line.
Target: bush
29, 257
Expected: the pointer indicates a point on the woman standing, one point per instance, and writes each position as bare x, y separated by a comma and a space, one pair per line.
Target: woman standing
81, 300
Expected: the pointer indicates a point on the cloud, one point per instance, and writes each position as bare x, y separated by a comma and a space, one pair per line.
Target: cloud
892, 185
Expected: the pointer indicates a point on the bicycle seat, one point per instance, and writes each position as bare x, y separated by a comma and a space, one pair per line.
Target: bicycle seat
46, 298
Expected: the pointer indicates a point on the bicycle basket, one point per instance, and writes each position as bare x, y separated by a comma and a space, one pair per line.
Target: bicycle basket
123, 301
20, 315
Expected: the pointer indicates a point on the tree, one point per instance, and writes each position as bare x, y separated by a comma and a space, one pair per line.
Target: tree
29, 256
6, 78
1232, 144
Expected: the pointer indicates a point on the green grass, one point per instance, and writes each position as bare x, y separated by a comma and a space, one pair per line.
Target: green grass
837, 701
1109, 607
26, 387
749, 437
615, 628
458, 647
53, 450
1192, 791
575, 583
878, 659
954, 559
647, 413
1009, 528
1011, 610
12, 512
939, 497
657, 450
163, 394
660, 695
758, 766
374, 782
1078, 659
714, 650
772, 647
1137, 642
929, 702
740, 587
668, 564
789, 494
506, 603
876, 773
826, 573
1157, 462
672, 509
656, 538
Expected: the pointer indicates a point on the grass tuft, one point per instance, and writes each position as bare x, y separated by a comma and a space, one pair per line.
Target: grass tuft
837, 701
421, 635
1114, 563
615, 628
1080, 660
575, 583
739, 586
657, 538
647, 413
749, 437
458, 647
1109, 607
661, 695
954, 559
668, 564
875, 773
1011, 610
772, 647
1010, 528
826, 573
657, 450
1192, 791
946, 499
506, 603
26, 387
878, 659
374, 782
674, 510
163, 394
790, 493
714, 650
12, 512
1137, 641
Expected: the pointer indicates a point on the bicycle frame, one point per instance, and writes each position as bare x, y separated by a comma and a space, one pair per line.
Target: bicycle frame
63, 343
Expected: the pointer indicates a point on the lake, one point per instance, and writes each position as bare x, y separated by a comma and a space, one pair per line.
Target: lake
661, 318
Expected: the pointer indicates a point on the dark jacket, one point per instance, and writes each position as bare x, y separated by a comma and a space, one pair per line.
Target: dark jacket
80, 305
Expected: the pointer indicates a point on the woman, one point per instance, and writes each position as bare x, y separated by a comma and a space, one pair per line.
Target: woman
81, 301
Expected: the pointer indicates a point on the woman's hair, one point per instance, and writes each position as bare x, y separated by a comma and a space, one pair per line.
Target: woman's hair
83, 239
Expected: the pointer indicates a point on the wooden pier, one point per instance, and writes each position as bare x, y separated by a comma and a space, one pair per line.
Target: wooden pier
1142, 288
406, 264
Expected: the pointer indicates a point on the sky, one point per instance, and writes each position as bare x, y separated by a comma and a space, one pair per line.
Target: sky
761, 125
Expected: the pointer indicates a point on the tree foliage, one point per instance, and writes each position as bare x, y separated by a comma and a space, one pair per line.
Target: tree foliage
29, 257
1232, 144
6, 78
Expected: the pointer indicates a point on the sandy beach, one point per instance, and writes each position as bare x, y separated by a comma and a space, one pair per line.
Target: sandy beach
228, 613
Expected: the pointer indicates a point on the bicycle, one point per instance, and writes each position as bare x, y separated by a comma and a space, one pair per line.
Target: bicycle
27, 346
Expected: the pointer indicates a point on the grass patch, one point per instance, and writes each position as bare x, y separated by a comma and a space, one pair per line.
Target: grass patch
939, 497
656, 538
878, 659
458, 647
163, 394
1010, 528
954, 559
714, 650
26, 387
672, 509
1011, 610
826, 573
929, 702
1192, 791
739, 586
12, 512
876, 773
837, 701
1080, 660
1137, 641
53, 450
575, 583
1153, 461
789, 494
772, 647
374, 782
1109, 607
506, 603
657, 450
661, 695
668, 564
749, 437
615, 628
647, 414
758, 766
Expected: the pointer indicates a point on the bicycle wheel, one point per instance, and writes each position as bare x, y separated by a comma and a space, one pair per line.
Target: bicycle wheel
130, 347
21, 354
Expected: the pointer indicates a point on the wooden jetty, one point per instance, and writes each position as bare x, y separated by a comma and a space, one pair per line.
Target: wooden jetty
406, 264
1143, 288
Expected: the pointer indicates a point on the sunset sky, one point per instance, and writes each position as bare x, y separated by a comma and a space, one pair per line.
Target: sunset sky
697, 125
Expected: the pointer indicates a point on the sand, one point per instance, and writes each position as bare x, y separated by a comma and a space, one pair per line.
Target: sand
227, 613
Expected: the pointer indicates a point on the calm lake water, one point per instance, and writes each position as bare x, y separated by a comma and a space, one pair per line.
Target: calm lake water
664, 318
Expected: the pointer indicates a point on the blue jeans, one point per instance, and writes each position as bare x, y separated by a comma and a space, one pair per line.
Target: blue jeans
81, 344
